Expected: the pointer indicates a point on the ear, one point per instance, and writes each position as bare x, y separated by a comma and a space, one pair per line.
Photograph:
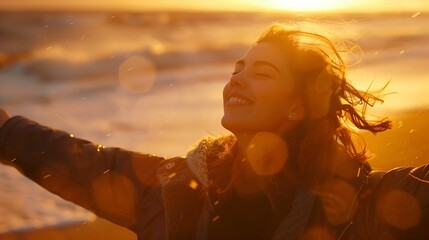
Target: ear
296, 111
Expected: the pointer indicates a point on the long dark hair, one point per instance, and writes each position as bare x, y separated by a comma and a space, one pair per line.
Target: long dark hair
332, 103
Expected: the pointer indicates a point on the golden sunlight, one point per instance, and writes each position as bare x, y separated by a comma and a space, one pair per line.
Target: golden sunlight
305, 5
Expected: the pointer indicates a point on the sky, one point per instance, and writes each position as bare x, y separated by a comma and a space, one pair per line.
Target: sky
240, 5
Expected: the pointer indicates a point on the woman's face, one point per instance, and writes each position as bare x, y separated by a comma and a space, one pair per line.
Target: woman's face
258, 96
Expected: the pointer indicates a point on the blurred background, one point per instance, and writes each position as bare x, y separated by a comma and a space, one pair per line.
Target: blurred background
148, 76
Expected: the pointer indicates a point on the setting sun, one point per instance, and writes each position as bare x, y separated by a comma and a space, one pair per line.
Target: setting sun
305, 5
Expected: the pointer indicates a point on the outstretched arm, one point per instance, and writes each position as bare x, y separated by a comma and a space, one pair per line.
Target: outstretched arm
111, 182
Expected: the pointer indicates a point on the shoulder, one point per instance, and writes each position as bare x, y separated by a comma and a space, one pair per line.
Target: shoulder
209, 149
410, 179
402, 200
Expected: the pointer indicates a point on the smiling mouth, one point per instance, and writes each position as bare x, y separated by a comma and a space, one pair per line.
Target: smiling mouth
238, 101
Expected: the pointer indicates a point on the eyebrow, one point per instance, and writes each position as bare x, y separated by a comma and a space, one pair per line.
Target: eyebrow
261, 63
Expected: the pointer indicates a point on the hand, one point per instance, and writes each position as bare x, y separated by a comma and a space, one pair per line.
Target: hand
4, 116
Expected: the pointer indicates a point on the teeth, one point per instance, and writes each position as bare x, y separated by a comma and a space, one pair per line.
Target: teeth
237, 100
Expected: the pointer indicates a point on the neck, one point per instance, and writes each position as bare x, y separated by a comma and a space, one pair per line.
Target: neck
247, 181
268, 152
244, 140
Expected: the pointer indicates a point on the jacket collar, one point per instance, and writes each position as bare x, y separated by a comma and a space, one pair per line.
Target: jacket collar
208, 149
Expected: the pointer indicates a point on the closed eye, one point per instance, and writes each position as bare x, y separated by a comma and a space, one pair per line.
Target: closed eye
262, 75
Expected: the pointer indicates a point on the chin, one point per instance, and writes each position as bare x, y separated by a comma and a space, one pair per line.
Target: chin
235, 125
231, 124
226, 124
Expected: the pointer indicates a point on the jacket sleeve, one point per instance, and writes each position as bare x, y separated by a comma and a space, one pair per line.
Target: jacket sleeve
111, 182
403, 202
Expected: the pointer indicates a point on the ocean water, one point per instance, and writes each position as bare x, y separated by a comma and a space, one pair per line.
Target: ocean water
152, 81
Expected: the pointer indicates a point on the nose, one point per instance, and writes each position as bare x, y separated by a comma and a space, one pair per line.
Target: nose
238, 80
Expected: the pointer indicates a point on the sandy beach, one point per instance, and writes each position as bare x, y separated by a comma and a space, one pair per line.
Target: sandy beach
99, 229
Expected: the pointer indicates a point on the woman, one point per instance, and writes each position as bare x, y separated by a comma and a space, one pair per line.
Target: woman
289, 171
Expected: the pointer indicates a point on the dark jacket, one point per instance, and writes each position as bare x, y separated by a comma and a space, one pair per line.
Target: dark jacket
161, 198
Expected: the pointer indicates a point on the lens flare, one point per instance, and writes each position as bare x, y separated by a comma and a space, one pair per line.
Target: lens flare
267, 153
339, 201
319, 92
141, 166
400, 209
137, 74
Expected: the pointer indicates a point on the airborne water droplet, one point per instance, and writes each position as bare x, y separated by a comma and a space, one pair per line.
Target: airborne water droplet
172, 175
415, 14
215, 218
400, 124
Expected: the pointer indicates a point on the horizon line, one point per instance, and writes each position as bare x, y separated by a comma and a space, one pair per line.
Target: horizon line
193, 10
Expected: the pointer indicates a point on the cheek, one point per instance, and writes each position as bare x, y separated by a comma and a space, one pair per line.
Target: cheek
273, 103
273, 114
